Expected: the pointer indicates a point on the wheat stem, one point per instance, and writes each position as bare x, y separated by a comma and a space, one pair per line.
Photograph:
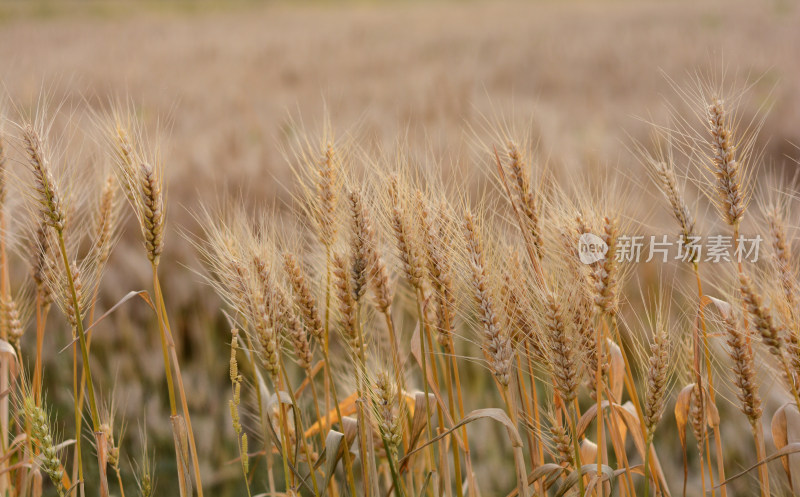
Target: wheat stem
424, 364
300, 429
711, 390
164, 325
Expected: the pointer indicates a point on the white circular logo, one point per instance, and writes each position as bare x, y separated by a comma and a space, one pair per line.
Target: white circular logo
591, 248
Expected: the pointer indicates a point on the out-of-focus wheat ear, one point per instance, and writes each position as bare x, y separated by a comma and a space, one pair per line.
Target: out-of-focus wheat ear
771, 333
235, 401
347, 304
517, 310
744, 373
583, 317
376, 270
40, 260
44, 182
264, 322
761, 315
41, 435
582, 306
113, 434
42, 264
782, 261
152, 206
496, 341
327, 194
697, 415
665, 173
562, 351
12, 321
435, 242
124, 149
605, 274
303, 295
563, 444
410, 261
294, 327
726, 168
143, 470
359, 249
380, 281
105, 222
239, 288
657, 376
521, 185
782, 257
299, 338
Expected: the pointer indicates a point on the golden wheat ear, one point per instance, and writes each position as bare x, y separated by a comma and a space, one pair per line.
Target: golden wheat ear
304, 297
726, 167
45, 186
496, 342
562, 351
657, 378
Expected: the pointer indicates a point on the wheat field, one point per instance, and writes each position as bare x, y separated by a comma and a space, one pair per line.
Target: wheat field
389, 248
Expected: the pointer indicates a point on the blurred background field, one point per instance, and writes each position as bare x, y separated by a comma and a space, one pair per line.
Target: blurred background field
228, 84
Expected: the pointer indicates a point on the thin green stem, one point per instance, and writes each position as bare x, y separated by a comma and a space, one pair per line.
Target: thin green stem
398, 483
424, 362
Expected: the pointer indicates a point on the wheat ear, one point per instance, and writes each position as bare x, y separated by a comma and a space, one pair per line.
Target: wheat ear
726, 168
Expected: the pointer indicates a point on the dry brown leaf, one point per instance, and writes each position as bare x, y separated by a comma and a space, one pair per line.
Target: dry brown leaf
785, 431
682, 405
588, 451
616, 371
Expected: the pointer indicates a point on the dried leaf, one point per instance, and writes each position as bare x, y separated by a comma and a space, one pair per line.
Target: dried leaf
588, 470
333, 450
786, 430
419, 420
141, 293
616, 371
7, 348
588, 451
